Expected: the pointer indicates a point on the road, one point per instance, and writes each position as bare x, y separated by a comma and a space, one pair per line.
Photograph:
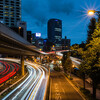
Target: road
9, 69
62, 89
32, 86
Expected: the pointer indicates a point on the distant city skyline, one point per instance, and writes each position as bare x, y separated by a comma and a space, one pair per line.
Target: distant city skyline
72, 13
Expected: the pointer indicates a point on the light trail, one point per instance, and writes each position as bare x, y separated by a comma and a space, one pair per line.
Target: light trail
33, 94
7, 74
75, 60
31, 86
19, 85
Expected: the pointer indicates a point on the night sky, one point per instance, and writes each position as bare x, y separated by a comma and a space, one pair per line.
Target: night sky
73, 14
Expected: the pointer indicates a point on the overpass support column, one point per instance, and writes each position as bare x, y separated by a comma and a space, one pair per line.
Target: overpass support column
35, 59
22, 65
40, 59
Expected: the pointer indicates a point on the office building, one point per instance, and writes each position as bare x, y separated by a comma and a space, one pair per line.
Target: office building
37, 40
10, 12
29, 36
55, 32
65, 43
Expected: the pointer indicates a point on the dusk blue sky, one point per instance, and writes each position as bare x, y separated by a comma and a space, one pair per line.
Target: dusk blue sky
73, 14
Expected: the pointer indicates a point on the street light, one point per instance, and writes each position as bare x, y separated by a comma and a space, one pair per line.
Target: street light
53, 46
19, 28
92, 12
40, 49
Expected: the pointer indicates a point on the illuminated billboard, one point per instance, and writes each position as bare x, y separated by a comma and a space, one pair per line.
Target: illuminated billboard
38, 34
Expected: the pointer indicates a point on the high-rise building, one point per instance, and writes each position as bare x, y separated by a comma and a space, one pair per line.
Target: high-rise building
55, 32
10, 12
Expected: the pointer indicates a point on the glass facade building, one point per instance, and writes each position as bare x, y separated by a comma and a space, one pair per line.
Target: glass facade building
10, 12
55, 32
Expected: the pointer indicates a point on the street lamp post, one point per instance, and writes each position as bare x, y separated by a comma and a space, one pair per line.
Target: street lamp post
92, 12
19, 28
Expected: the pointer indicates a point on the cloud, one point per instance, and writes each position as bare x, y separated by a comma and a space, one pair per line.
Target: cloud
41, 10
37, 10
61, 6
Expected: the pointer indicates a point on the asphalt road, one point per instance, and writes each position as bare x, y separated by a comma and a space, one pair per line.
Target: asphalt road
62, 89
33, 87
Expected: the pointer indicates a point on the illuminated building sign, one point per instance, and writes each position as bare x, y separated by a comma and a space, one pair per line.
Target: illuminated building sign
38, 34
56, 20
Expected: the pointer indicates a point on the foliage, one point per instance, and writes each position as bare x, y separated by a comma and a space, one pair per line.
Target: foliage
91, 29
68, 65
74, 47
65, 55
87, 94
56, 68
77, 50
91, 59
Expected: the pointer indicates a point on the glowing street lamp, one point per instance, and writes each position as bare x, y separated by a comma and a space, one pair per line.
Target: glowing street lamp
53, 46
40, 49
19, 28
91, 12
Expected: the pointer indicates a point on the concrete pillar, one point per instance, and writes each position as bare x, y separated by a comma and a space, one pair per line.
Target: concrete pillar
22, 65
40, 59
35, 59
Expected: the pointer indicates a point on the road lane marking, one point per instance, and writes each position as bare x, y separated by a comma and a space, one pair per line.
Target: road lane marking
62, 88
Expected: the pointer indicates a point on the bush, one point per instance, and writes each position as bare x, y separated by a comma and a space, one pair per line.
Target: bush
57, 69
85, 91
87, 94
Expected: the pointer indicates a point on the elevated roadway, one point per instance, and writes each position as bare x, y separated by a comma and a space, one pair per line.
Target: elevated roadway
13, 44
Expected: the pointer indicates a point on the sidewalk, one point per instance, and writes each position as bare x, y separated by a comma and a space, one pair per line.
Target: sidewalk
79, 83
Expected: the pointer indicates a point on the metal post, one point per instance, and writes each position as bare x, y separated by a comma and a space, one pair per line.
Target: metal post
22, 65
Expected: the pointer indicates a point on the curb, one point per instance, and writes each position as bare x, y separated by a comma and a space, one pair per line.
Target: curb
75, 87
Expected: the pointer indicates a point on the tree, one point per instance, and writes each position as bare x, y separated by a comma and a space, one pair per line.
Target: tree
66, 62
82, 45
68, 65
91, 59
91, 28
74, 47
65, 55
